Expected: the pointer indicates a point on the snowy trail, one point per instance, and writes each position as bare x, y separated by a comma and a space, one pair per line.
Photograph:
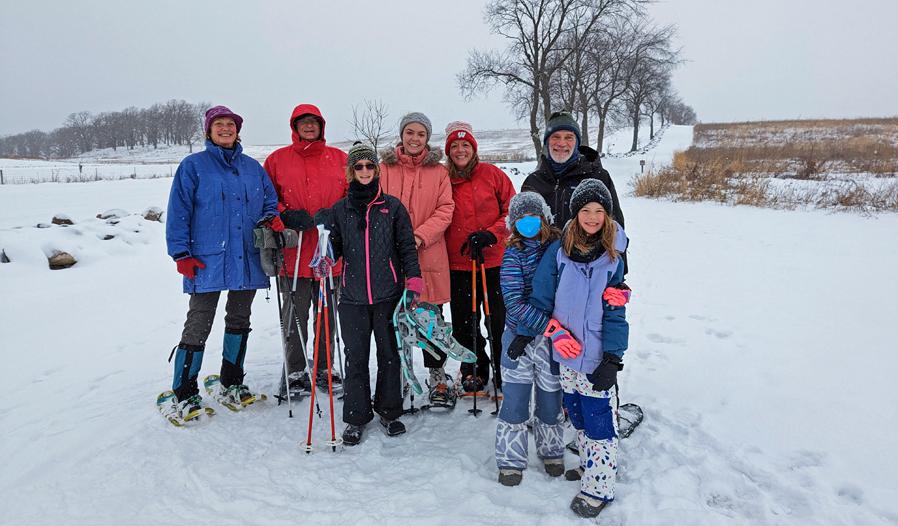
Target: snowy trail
759, 340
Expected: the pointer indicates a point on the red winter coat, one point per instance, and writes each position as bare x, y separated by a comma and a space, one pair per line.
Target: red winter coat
307, 176
481, 203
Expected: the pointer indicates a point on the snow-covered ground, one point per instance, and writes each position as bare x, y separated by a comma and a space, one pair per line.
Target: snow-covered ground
762, 350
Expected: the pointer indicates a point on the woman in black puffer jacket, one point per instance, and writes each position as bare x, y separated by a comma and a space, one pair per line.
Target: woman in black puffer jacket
373, 233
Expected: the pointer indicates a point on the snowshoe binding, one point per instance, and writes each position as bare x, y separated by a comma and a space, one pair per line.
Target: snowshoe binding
441, 391
435, 334
336, 382
180, 413
300, 386
235, 397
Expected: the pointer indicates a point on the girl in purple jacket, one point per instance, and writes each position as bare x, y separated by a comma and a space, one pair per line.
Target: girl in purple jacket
580, 282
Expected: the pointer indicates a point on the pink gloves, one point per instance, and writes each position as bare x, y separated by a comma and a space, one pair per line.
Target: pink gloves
617, 296
564, 343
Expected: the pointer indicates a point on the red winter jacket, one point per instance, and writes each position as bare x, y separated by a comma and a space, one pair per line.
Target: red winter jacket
481, 203
307, 176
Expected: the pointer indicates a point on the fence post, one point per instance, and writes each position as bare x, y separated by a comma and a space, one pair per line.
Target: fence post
1, 177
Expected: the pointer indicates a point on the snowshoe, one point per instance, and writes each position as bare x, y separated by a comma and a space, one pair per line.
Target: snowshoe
179, 413
392, 427
352, 435
434, 333
405, 342
554, 466
510, 477
441, 394
473, 384
235, 397
300, 386
336, 382
587, 507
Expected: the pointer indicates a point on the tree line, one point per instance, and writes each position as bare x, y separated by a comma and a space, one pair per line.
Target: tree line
176, 122
598, 59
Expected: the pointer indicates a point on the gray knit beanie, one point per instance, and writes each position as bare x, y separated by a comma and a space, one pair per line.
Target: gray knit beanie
527, 203
561, 120
418, 117
591, 191
359, 151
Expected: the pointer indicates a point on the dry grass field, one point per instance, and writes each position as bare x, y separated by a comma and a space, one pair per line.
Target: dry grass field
847, 164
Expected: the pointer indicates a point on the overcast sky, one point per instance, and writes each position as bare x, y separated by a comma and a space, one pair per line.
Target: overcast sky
759, 59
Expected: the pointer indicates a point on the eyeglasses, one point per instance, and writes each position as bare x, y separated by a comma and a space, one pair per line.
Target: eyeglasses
364, 166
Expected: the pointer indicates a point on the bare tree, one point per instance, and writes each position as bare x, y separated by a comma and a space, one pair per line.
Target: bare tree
535, 52
369, 122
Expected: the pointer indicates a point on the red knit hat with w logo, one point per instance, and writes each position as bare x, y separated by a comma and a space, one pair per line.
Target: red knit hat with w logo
458, 130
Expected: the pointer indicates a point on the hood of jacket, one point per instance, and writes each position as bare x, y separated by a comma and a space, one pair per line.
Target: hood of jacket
306, 109
428, 157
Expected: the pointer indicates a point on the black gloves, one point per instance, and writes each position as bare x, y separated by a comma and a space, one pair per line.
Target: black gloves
298, 220
323, 217
517, 346
476, 242
605, 375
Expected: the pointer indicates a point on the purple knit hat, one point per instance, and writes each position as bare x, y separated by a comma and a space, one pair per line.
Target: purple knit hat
217, 112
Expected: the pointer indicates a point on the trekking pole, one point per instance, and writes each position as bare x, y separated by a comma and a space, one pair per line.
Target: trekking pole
313, 403
284, 338
296, 320
339, 328
489, 335
330, 375
475, 329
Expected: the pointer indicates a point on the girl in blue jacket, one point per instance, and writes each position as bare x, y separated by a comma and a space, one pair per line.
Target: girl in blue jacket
580, 282
217, 197
526, 360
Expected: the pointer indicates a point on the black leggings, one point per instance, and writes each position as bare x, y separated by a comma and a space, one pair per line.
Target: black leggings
462, 318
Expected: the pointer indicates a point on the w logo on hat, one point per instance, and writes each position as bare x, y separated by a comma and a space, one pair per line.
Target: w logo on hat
461, 134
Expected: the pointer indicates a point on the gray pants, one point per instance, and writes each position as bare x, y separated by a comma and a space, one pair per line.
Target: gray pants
306, 296
202, 312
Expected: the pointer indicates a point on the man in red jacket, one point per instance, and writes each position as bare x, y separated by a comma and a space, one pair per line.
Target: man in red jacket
308, 175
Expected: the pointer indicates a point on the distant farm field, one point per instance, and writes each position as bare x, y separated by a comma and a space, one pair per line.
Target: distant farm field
848, 164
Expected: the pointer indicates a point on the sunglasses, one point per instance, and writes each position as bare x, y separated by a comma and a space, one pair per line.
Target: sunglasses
363, 166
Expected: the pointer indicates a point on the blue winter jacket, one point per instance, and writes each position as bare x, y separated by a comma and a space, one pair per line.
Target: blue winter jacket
515, 277
216, 199
572, 292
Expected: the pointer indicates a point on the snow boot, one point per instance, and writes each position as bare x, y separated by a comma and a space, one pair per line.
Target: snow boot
300, 386
587, 507
441, 395
352, 435
472, 384
392, 427
573, 474
510, 477
554, 466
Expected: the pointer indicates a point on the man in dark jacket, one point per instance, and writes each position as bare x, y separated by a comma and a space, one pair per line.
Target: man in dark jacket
563, 165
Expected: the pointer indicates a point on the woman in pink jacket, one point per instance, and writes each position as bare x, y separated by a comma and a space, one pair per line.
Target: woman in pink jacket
412, 172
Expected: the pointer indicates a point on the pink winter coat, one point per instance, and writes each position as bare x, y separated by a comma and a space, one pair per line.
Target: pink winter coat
422, 184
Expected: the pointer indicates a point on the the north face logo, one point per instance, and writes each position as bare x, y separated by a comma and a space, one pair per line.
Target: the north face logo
384, 210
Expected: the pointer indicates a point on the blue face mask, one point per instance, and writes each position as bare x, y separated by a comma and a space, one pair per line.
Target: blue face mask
528, 226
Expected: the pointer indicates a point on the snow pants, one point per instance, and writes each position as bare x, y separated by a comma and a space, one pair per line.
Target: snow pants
306, 296
358, 323
463, 318
189, 353
531, 369
593, 415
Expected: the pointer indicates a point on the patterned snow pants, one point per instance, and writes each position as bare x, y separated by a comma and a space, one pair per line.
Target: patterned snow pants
593, 415
519, 378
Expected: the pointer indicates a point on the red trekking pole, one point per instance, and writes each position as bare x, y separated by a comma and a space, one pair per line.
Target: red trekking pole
322, 308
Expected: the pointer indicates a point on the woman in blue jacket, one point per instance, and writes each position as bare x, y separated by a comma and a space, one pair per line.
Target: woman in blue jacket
580, 282
217, 197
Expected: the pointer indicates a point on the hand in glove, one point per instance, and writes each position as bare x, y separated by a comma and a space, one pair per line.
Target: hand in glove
566, 345
187, 266
273, 222
323, 217
518, 346
476, 242
298, 220
413, 289
618, 295
605, 375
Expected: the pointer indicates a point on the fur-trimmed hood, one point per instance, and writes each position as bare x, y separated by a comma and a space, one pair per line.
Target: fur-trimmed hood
391, 156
